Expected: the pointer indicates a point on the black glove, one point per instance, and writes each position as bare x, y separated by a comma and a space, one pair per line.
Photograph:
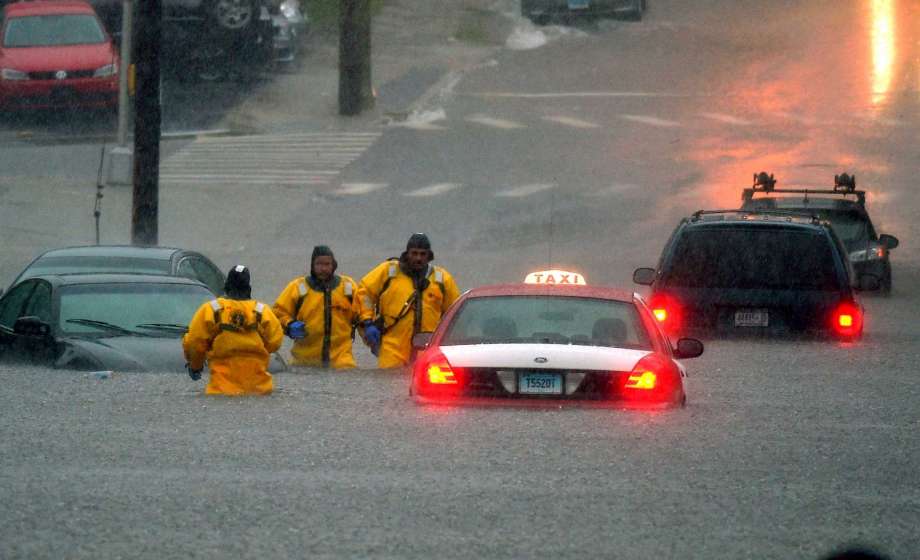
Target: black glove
195, 374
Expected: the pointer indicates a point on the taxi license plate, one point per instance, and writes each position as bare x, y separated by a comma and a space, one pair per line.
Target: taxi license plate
752, 318
540, 384
579, 4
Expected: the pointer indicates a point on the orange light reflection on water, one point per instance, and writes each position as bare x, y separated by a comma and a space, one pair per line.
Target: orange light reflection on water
883, 49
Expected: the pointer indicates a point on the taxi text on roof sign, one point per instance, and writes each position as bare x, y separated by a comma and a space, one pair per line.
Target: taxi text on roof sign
558, 277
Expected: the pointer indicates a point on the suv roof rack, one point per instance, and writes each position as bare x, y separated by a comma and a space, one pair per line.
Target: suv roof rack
844, 185
788, 214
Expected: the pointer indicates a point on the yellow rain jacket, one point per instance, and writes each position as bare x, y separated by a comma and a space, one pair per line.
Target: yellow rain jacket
391, 292
328, 314
236, 337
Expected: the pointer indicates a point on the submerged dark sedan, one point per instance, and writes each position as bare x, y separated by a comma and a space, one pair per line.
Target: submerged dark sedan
168, 261
118, 322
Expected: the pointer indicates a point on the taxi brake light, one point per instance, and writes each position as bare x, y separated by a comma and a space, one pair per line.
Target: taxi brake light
440, 373
661, 314
653, 379
845, 320
644, 380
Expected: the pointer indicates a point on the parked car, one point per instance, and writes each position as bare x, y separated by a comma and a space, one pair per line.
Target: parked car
736, 272
208, 39
542, 11
117, 322
56, 54
126, 259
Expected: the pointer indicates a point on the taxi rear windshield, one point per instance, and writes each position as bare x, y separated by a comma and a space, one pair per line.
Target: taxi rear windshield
547, 320
752, 258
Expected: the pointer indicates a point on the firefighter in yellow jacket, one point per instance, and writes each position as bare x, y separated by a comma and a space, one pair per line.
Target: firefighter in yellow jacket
236, 335
400, 298
319, 313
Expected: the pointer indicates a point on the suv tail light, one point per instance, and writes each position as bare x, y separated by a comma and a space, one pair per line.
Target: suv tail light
667, 311
847, 319
435, 376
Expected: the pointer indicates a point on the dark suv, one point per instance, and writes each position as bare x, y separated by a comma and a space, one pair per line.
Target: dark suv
844, 207
731, 271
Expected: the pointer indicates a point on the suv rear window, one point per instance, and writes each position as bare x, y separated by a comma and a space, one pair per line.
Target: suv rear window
751, 258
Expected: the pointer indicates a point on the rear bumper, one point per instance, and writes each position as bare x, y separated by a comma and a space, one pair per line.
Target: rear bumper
877, 268
543, 403
596, 389
50, 94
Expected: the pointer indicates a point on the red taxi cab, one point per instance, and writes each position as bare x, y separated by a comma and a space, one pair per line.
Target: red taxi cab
552, 338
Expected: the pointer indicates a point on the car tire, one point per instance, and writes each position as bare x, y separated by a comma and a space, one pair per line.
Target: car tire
234, 16
885, 285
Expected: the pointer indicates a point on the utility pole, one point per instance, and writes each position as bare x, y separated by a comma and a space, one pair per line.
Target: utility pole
355, 92
121, 156
145, 206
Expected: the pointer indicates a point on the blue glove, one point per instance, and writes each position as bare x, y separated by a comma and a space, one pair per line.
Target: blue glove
195, 374
296, 330
372, 336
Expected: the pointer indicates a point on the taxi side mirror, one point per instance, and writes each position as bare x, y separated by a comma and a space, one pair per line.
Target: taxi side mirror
688, 348
868, 283
644, 276
888, 241
420, 340
31, 326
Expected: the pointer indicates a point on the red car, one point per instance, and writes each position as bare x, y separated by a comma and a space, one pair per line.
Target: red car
550, 342
55, 54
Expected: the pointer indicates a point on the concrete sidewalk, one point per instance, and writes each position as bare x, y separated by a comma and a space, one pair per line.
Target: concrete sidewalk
415, 44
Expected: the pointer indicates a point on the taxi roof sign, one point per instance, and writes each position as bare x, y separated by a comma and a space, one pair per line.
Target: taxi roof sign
555, 277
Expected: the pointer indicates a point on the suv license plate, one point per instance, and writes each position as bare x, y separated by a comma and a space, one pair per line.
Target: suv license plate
540, 384
579, 4
752, 318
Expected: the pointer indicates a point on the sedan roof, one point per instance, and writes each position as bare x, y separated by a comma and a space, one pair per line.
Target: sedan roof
594, 292
164, 253
97, 278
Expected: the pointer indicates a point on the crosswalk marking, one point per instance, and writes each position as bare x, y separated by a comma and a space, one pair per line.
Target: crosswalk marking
274, 159
352, 189
493, 122
571, 121
727, 119
434, 190
525, 190
651, 121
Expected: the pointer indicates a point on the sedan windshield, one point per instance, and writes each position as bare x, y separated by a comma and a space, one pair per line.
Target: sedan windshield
53, 30
547, 320
128, 306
